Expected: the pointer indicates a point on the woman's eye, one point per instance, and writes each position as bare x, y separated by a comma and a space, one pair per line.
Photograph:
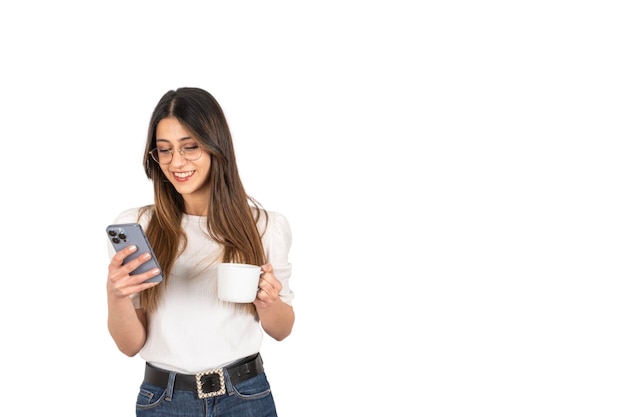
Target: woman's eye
163, 151
190, 148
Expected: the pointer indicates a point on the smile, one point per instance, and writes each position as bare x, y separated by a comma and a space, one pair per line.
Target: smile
183, 174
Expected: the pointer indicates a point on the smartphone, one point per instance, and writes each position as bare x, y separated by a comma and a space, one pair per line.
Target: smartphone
122, 235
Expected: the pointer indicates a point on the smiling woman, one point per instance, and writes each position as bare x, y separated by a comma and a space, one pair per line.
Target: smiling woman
200, 352
184, 164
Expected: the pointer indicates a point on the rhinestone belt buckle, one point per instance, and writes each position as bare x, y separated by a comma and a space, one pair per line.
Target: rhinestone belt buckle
199, 383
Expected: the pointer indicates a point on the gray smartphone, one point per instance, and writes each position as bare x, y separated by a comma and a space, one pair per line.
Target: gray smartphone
122, 235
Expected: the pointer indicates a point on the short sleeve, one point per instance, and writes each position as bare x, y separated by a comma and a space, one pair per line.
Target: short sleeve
277, 244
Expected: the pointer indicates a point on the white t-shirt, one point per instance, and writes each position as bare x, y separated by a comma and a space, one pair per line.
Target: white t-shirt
191, 330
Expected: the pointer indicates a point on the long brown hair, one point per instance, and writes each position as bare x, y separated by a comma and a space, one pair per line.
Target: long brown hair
233, 215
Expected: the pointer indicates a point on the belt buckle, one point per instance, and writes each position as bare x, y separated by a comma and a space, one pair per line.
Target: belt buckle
199, 376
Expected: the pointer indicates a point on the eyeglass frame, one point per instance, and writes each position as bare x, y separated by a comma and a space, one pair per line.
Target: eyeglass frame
170, 152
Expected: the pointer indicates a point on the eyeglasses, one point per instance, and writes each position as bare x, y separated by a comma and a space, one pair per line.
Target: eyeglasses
164, 156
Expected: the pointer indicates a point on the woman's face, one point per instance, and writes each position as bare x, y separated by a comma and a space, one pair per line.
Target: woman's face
189, 177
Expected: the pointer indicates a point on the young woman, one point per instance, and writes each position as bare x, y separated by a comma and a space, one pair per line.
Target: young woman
202, 354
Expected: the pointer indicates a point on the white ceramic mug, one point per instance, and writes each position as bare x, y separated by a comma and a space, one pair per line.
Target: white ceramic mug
237, 283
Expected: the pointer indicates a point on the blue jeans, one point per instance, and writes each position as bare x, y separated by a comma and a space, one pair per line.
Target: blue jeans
251, 398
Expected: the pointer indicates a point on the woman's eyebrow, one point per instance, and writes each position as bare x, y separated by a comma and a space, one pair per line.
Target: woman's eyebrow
180, 139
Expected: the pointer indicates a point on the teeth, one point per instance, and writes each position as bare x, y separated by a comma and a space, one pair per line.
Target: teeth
183, 174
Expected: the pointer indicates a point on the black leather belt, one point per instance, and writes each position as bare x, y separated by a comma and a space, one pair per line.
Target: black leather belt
208, 383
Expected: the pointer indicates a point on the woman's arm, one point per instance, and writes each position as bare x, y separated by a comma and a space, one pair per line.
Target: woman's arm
277, 317
127, 325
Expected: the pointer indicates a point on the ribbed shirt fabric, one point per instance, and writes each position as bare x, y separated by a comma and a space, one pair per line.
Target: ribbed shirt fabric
192, 330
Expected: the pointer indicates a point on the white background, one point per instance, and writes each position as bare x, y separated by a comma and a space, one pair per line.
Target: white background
453, 173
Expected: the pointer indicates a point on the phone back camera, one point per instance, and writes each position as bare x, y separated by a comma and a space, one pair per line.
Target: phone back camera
117, 237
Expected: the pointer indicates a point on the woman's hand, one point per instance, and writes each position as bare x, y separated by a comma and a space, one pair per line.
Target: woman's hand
269, 288
120, 283
276, 317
